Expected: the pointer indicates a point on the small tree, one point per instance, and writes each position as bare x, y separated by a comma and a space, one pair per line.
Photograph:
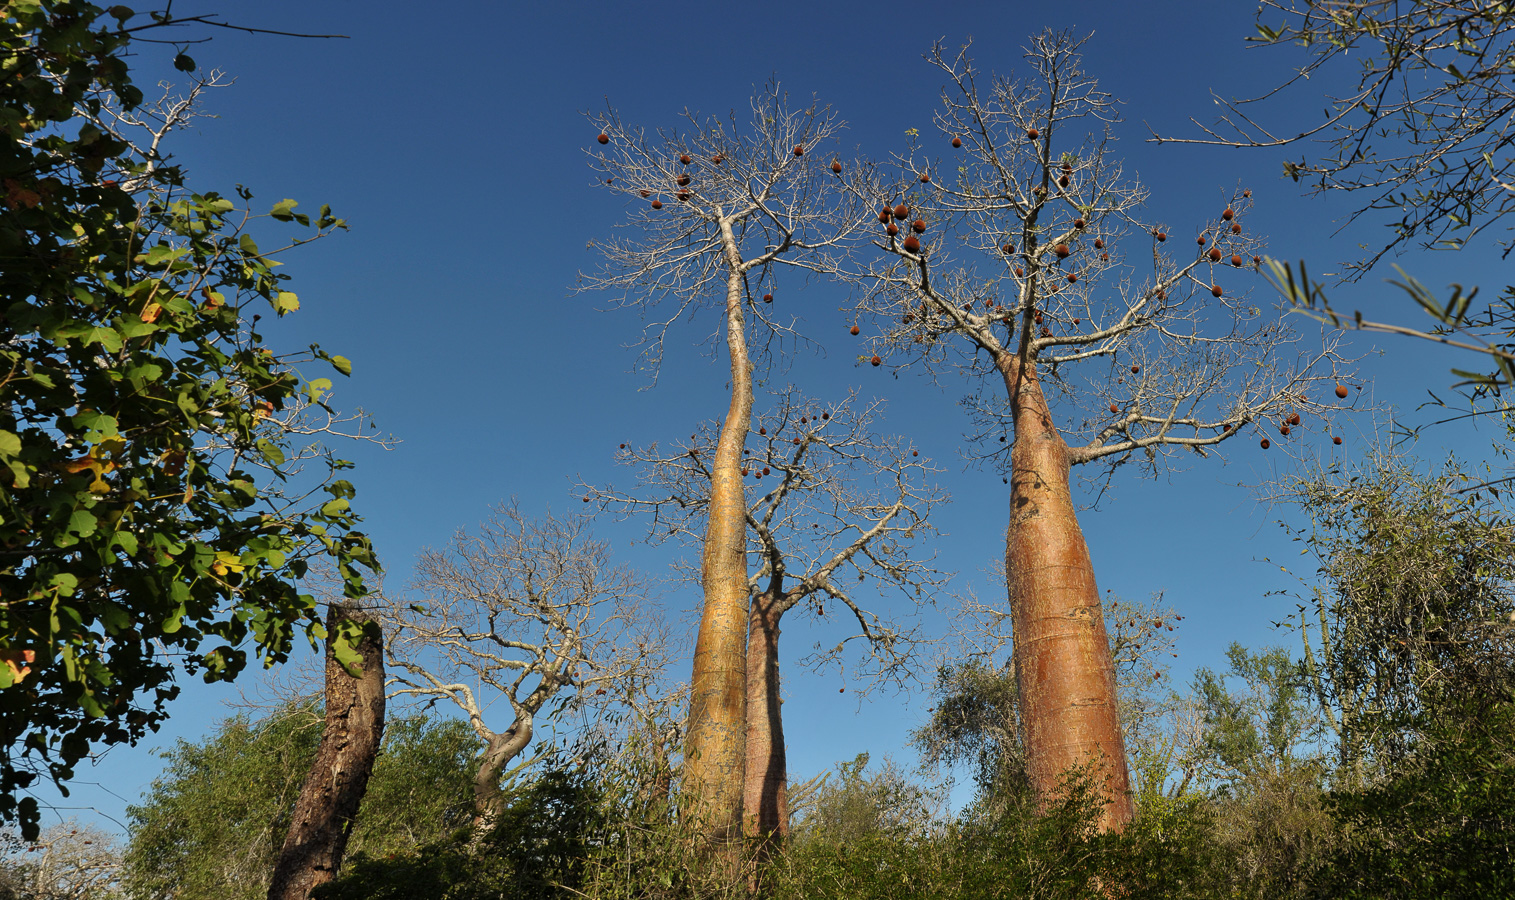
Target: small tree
839, 499
743, 203
1148, 359
533, 613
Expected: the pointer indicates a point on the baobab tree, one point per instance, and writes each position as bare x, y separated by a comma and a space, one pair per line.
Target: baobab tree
1062, 285
720, 210
833, 500
533, 613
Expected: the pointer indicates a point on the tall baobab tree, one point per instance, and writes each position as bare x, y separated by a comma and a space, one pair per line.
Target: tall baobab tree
529, 612
833, 500
1062, 286
721, 209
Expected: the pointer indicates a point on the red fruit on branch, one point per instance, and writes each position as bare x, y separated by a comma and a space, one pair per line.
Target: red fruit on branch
1236, 228
1038, 318
1215, 290
767, 298
1266, 444
1114, 408
1099, 244
1246, 193
1229, 214
1136, 370
603, 138
1162, 236
645, 194
684, 196
1237, 261
957, 143
765, 470
1341, 391
856, 331
1063, 180
623, 446
1294, 419
925, 178
682, 180
1072, 278
1079, 223
919, 226
912, 245
1283, 430
717, 159
799, 149
657, 204
684, 159
884, 217
1336, 439
892, 229
836, 166
876, 361
1008, 249
1032, 133
1214, 254
1062, 251
763, 430
1200, 240
902, 211
1019, 272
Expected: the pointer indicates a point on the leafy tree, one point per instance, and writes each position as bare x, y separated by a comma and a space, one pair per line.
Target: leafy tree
745, 202
1084, 358
149, 514
212, 824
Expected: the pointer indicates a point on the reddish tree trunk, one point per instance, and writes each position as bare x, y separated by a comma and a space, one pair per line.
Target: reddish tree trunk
332, 792
1063, 666
714, 755
765, 801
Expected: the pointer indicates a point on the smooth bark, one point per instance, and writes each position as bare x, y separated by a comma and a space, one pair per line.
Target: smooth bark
1063, 666
501, 748
715, 755
766, 797
329, 799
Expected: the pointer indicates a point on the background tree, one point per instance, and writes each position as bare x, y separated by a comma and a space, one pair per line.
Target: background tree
1149, 359
327, 806
215, 819
143, 450
68, 861
744, 203
839, 499
533, 613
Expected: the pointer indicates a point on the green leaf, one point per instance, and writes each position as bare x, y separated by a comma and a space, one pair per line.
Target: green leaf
285, 302
271, 452
284, 210
10, 444
341, 364
83, 523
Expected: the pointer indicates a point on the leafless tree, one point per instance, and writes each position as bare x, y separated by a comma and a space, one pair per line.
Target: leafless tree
834, 498
68, 861
1031, 267
720, 210
529, 612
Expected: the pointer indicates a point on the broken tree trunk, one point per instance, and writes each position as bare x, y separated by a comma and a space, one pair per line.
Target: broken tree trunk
329, 799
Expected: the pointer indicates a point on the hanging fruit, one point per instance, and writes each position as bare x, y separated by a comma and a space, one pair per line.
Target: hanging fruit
919, 226
645, 194
925, 178
1079, 223
1236, 261
902, 211
1114, 408
876, 361
1032, 133
1072, 279
1099, 244
603, 138
1162, 236
856, 331
684, 159
767, 298
912, 245
1200, 240
891, 229
1236, 228
1008, 249
1229, 214
1341, 391
657, 204
1062, 251
682, 180
799, 149
957, 143
836, 166
1215, 290
1266, 444
1214, 254
1336, 439
1283, 430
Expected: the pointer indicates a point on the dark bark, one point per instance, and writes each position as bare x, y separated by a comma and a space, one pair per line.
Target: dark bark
1063, 666
329, 799
766, 798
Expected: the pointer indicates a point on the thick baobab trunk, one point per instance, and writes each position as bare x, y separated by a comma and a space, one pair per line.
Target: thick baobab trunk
1063, 667
332, 792
714, 757
765, 801
498, 752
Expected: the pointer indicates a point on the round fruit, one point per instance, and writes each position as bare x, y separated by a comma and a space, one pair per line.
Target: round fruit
607, 181
1162, 236
1294, 419
1162, 295
1246, 193
623, 446
718, 159
836, 166
1229, 214
1114, 408
1078, 223
744, 473
1136, 370
1019, 272
957, 143
1032, 133
1104, 257
915, 453
902, 211
1215, 290
1067, 167
1008, 249
1099, 244
684, 196
912, 245
1078, 321
1214, 254
1341, 391
765, 470
1257, 260
884, 216
1038, 318
856, 331
1236, 228
1237, 261
1062, 251
1283, 430
925, 178
1265, 444
919, 226
645, 194
1200, 240
767, 298
1063, 180
1072, 278
892, 229
603, 138
799, 149
825, 415
657, 204
684, 159
1336, 440
682, 180
876, 361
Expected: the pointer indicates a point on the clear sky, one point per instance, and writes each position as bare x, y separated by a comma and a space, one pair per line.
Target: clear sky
452, 138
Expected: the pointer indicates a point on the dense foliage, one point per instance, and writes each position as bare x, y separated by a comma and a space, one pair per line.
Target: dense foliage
146, 444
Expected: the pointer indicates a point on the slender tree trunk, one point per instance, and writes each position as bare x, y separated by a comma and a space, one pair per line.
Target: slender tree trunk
498, 752
714, 754
1063, 666
329, 799
765, 802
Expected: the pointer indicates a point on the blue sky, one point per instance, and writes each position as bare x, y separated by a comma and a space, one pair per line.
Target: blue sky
452, 139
